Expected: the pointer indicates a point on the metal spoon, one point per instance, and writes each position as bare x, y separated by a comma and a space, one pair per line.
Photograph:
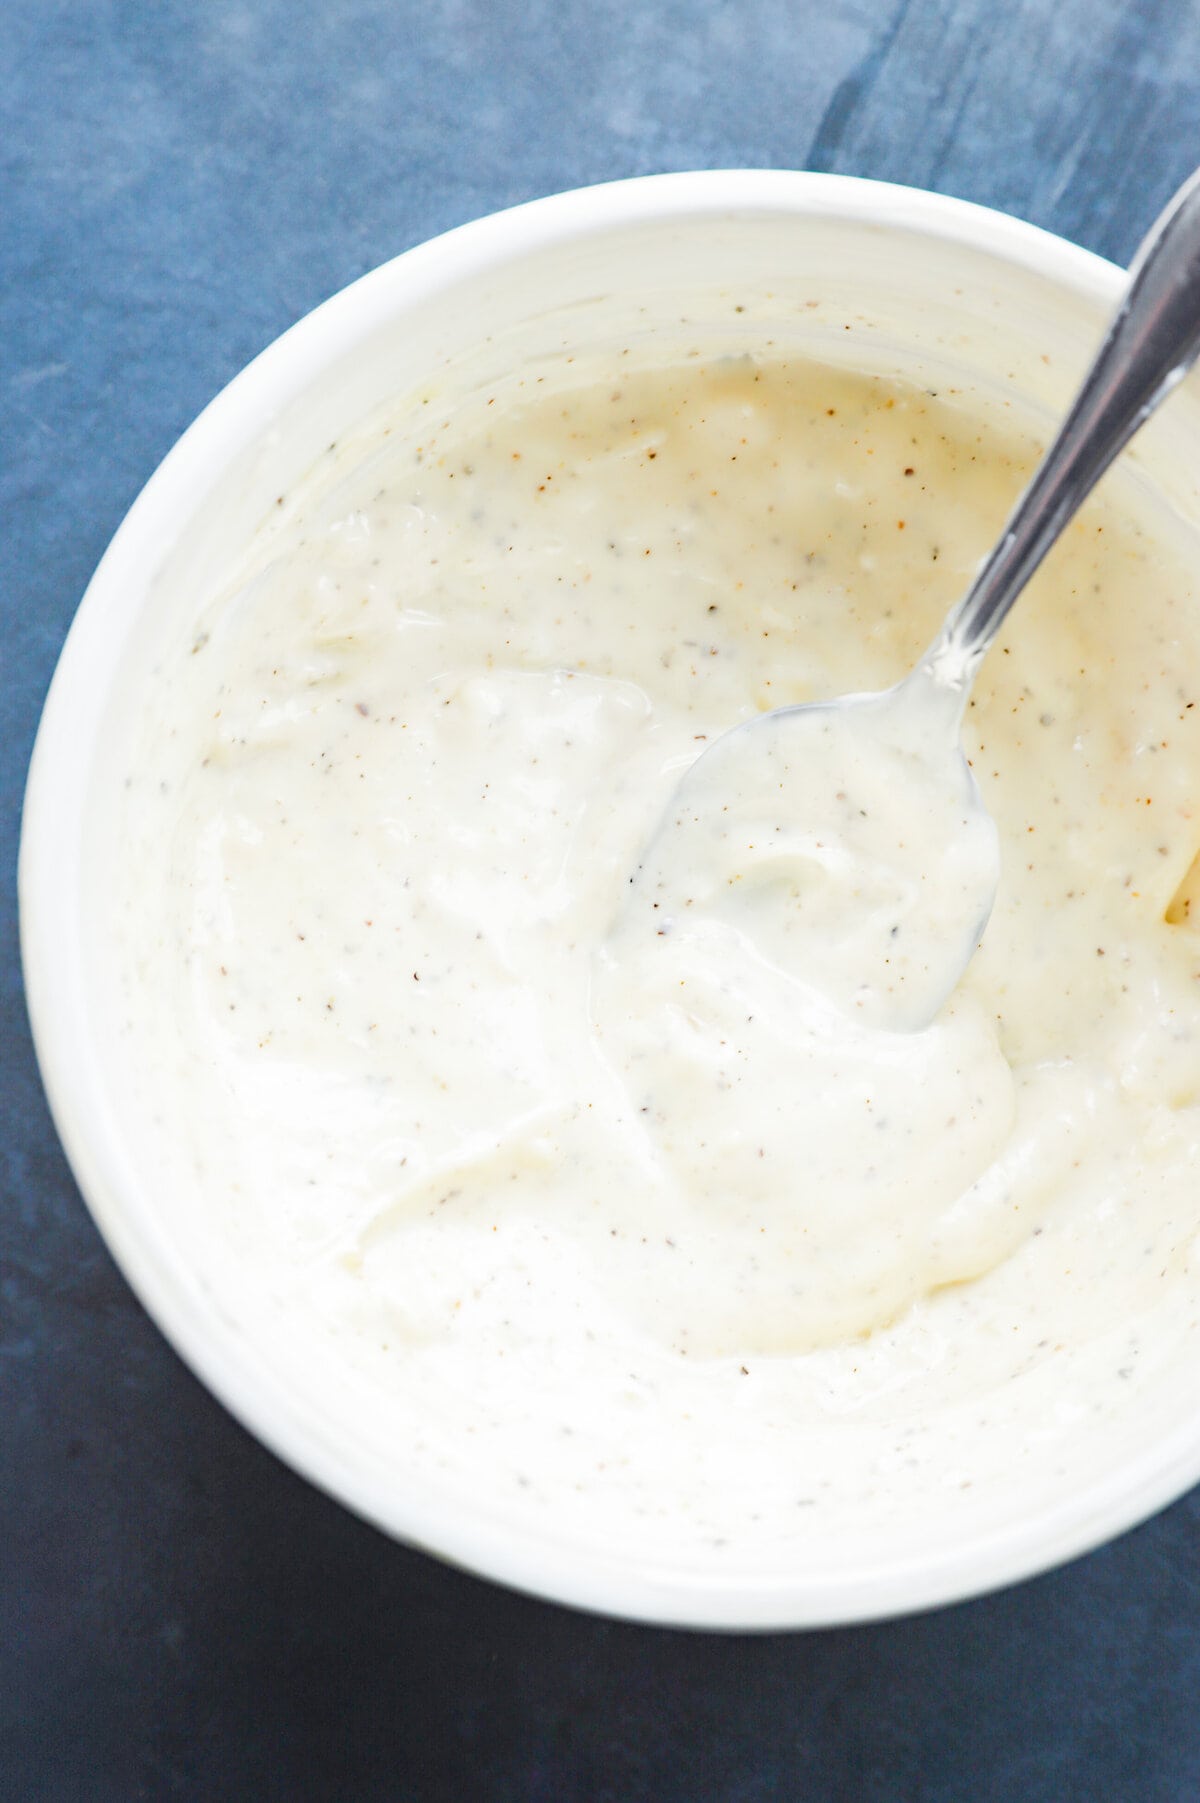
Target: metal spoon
847, 839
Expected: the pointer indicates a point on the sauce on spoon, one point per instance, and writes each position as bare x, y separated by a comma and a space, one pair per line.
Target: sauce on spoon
846, 841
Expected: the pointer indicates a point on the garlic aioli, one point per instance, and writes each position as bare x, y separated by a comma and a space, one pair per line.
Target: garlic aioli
844, 840
647, 1233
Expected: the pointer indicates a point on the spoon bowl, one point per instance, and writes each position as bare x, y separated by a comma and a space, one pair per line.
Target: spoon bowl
846, 840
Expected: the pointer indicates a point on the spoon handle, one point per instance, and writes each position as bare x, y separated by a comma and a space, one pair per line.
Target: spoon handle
1149, 348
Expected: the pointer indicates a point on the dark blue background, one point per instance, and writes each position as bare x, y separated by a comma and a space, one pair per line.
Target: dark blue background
179, 1615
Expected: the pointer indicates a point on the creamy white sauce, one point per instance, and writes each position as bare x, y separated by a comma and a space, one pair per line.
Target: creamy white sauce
843, 842
662, 1231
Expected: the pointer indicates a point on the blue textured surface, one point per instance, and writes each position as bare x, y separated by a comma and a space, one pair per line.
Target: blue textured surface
179, 1615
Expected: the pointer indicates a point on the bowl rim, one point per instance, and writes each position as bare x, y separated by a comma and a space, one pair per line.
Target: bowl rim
66, 1044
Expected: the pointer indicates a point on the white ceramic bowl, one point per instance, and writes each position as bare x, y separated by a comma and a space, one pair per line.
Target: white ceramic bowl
919, 284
